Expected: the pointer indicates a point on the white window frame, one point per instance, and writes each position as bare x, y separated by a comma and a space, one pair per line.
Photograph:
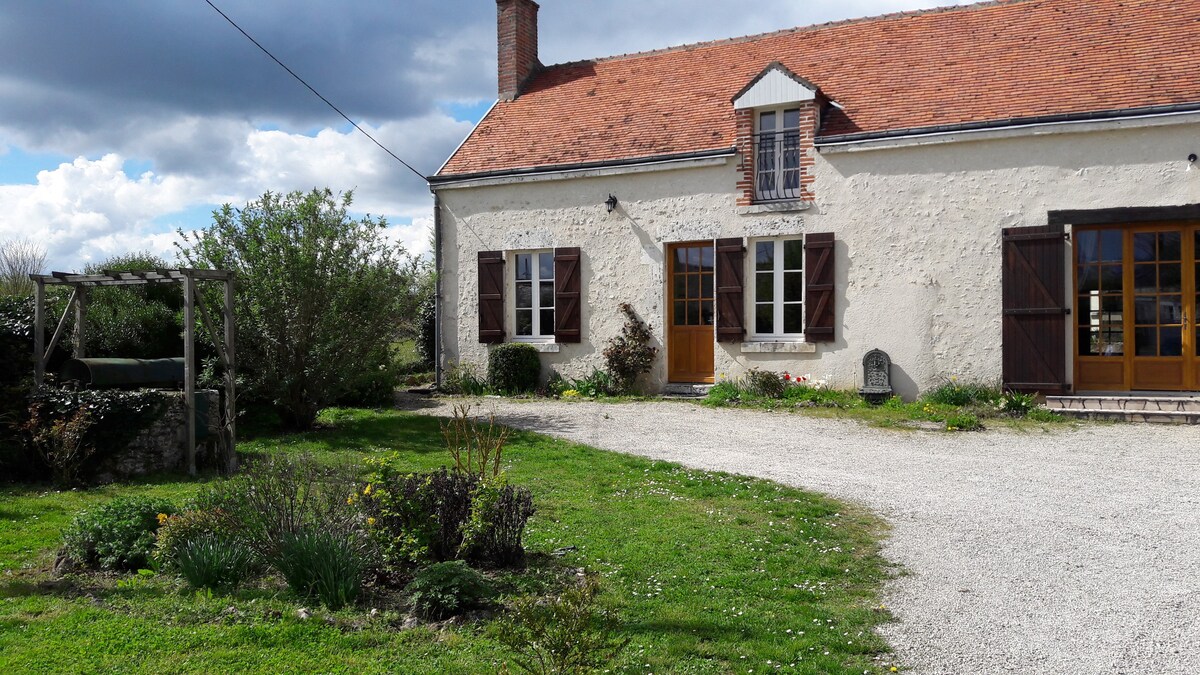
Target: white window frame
777, 334
779, 168
535, 281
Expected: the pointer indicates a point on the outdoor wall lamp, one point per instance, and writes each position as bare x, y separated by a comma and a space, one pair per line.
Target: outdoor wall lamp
611, 202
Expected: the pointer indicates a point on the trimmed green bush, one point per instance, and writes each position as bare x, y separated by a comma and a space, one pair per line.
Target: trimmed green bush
118, 535
447, 588
514, 368
214, 562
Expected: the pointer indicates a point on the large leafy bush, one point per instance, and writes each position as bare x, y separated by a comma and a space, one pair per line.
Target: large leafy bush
118, 535
319, 296
142, 322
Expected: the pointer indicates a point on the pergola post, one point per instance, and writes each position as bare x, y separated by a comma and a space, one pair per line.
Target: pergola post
81, 307
39, 334
230, 376
189, 367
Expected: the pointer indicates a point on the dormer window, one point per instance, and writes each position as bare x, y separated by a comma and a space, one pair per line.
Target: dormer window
777, 155
777, 114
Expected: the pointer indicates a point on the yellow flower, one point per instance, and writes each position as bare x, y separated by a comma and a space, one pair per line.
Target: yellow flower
894, 669
350, 499
162, 518
370, 521
367, 490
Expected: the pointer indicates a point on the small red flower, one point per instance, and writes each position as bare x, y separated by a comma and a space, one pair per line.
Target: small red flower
787, 378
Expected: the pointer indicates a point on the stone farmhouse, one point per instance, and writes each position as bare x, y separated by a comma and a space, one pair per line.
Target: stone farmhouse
1007, 190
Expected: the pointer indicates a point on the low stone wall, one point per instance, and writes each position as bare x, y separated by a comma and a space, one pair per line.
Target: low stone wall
163, 445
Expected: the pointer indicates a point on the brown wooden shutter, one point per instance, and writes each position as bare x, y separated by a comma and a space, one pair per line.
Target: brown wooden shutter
1034, 331
491, 297
567, 310
819, 316
731, 306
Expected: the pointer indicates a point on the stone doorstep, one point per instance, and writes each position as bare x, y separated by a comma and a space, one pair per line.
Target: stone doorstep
1177, 404
1143, 416
684, 390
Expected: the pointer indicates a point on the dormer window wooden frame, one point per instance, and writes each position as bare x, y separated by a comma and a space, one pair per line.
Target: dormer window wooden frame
777, 154
776, 114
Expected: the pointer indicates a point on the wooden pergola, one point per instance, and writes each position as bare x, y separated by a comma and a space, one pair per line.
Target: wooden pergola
192, 300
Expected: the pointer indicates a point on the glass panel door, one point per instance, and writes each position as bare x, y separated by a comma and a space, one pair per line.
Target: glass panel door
1136, 300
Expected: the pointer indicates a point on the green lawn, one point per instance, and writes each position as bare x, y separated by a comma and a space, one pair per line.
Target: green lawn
710, 573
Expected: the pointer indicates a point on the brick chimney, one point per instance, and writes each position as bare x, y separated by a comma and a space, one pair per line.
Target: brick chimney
517, 45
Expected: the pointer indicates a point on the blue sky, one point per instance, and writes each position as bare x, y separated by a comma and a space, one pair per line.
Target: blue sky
124, 121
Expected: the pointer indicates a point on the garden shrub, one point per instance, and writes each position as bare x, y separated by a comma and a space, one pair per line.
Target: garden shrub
19, 460
476, 448
463, 378
136, 322
177, 531
959, 395
284, 495
318, 293
629, 354
426, 338
514, 368
568, 633
118, 535
323, 564
445, 589
1016, 404
724, 392
214, 562
75, 430
444, 515
599, 383
373, 387
763, 383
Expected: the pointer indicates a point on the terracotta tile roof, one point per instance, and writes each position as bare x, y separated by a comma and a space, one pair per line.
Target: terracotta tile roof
994, 61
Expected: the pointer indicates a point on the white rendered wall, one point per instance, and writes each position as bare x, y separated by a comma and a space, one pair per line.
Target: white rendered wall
917, 254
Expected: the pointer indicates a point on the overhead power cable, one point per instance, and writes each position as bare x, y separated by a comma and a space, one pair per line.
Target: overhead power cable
314, 91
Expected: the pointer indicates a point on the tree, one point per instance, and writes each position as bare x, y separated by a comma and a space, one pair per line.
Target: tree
143, 322
18, 259
319, 296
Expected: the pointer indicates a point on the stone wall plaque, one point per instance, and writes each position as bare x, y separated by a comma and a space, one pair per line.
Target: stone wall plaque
877, 376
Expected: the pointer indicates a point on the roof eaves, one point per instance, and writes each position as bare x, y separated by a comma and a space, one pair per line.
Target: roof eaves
581, 166
1010, 123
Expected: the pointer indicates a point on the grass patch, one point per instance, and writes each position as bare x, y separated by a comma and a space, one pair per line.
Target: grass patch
949, 407
709, 573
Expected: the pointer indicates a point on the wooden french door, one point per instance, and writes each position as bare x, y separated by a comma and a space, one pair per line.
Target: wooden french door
1136, 307
690, 331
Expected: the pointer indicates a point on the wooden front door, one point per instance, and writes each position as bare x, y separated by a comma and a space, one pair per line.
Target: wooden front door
690, 329
1136, 304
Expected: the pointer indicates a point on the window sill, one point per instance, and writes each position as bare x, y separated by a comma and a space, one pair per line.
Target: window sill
765, 347
542, 346
775, 207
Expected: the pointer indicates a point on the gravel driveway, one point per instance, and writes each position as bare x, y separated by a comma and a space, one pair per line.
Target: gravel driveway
1072, 551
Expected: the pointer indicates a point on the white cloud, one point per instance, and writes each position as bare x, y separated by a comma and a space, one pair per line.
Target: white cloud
90, 209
